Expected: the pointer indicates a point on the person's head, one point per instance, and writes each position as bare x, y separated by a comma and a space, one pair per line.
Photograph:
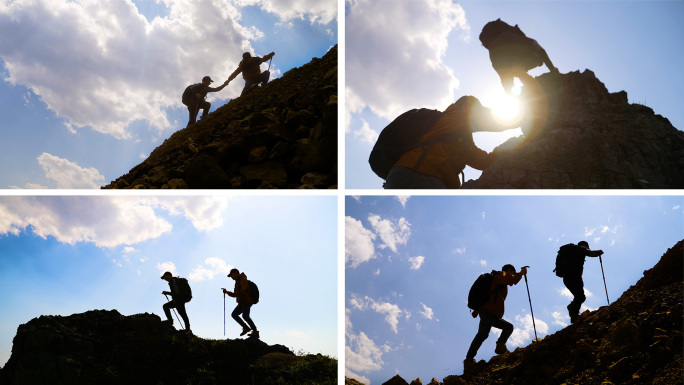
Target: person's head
206, 81
234, 273
167, 276
583, 244
246, 56
508, 269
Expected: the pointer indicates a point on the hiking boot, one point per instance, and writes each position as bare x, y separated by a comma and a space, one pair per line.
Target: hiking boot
168, 322
254, 334
245, 330
468, 365
501, 348
573, 318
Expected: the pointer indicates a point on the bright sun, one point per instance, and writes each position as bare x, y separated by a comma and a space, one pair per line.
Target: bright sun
506, 109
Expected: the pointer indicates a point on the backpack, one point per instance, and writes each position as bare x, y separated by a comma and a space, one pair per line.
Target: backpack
190, 98
185, 293
253, 291
566, 261
479, 292
494, 29
400, 136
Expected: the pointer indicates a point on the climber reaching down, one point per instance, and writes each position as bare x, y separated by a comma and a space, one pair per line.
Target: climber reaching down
251, 71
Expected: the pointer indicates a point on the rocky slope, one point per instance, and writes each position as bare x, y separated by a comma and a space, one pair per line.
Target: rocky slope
282, 135
104, 347
635, 340
589, 138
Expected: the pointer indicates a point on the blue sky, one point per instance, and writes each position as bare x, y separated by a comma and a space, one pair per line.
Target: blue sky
69, 254
426, 53
89, 88
410, 261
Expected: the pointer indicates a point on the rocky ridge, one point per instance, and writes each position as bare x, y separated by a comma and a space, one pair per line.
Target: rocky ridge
282, 135
105, 347
635, 340
590, 139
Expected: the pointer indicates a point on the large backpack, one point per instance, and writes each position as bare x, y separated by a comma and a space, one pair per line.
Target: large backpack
253, 291
479, 292
494, 29
189, 97
400, 136
185, 293
566, 260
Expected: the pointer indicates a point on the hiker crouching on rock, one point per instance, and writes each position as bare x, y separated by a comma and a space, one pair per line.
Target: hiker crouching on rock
251, 71
244, 302
570, 266
491, 314
446, 149
194, 95
177, 300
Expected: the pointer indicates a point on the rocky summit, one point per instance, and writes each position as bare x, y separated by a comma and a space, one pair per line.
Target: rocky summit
281, 135
587, 138
105, 347
635, 340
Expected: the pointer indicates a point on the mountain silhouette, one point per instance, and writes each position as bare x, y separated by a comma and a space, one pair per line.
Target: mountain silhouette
281, 135
105, 347
634, 340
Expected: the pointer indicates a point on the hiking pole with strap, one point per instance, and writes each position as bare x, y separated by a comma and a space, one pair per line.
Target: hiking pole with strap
530, 299
174, 312
224, 313
604, 279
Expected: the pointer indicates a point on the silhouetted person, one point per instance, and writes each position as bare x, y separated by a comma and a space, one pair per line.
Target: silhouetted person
512, 53
251, 70
195, 98
244, 302
446, 149
177, 301
491, 314
572, 277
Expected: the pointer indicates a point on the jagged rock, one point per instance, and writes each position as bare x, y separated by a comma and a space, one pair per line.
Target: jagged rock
635, 340
396, 380
590, 139
104, 347
417, 381
291, 121
434, 382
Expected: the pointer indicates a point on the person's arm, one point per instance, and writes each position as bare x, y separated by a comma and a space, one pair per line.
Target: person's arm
267, 57
234, 74
479, 159
510, 279
594, 253
219, 88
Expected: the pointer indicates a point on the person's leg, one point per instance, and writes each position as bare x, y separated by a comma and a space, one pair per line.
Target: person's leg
192, 110
506, 331
248, 85
184, 315
205, 106
167, 311
486, 319
576, 287
239, 309
264, 77
245, 315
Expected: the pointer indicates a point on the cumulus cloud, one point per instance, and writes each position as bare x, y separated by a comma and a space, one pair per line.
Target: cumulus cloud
365, 133
391, 312
101, 64
391, 233
403, 199
358, 243
205, 213
214, 266
361, 352
567, 294
69, 175
371, 44
524, 331
560, 319
167, 266
428, 313
416, 262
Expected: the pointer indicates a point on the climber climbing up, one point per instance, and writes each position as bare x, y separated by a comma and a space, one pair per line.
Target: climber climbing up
429, 149
251, 71
490, 308
180, 295
570, 267
246, 294
194, 95
513, 53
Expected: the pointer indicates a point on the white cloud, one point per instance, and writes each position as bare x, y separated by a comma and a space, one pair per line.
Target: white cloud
358, 243
390, 311
588, 232
365, 133
567, 294
391, 234
167, 266
483, 262
676, 207
524, 330
298, 334
460, 250
215, 266
371, 43
128, 249
348, 373
403, 199
205, 213
560, 319
377, 272
483, 215
69, 175
361, 353
100, 63
416, 262
428, 313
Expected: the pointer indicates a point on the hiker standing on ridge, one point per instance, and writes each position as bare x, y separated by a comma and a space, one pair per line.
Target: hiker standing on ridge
244, 302
570, 266
513, 53
194, 95
442, 153
251, 71
491, 313
178, 301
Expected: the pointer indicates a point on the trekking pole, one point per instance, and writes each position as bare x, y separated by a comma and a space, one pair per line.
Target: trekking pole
174, 311
530, 299
269, 63
604, 279
224, 313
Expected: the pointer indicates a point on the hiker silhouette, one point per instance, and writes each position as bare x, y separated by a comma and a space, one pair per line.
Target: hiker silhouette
193, 98
429, 149
245, 299
180, 294
251, 71
570, 267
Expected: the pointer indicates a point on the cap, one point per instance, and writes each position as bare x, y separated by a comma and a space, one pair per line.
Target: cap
207, 78
233, 271
165, 274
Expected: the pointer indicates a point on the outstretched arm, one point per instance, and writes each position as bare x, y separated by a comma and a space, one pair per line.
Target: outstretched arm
545, 58
234, 74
